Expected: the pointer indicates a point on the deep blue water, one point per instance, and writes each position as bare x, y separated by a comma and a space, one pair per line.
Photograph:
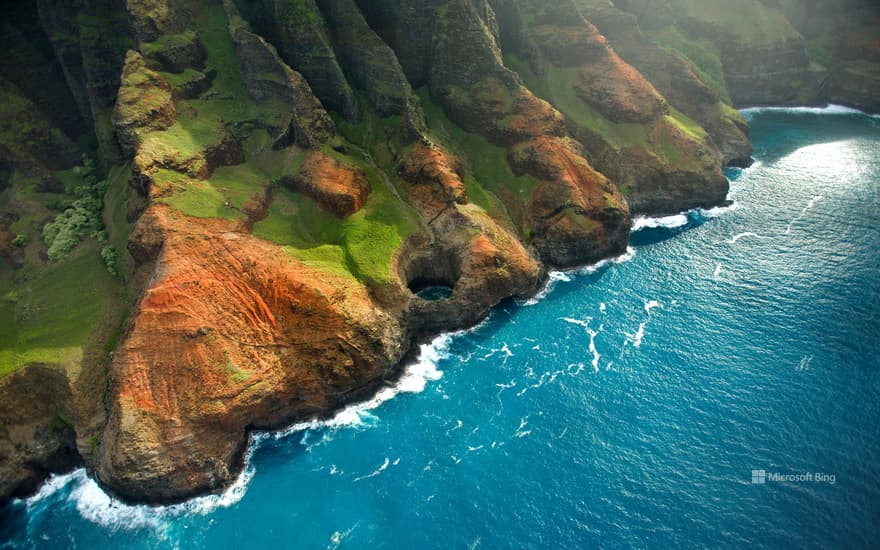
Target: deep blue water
626, 408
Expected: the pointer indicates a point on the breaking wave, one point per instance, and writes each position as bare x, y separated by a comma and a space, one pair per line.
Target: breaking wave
830, 109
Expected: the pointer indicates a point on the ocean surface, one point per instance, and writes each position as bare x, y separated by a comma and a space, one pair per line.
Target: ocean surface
718, 386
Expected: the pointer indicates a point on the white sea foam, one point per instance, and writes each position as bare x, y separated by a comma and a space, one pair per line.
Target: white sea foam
682, 218
830, 109
652, 304
669, 222
593, 350
739, 236
553, 278
375, 472
639, 335
717, 210
556, 277
414, 380
96, 506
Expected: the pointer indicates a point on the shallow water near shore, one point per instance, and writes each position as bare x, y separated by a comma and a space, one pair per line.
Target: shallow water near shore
658, 400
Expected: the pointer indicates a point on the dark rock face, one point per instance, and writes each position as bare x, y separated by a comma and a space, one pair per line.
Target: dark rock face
36, 146
299, 31
90, 41
843, 37
370, 64
37, 434
302, 167
35, 70
268, 78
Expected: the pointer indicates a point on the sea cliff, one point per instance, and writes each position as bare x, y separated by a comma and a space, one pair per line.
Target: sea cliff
217, 216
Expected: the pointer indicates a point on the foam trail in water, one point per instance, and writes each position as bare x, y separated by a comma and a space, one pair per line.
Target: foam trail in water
803, 213
805, 363
739, 236
585, 324
377, 471
337, 537
653, 304
593, 350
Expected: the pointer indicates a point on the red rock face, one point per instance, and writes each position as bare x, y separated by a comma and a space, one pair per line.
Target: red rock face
337, 188
231, 333
431, 165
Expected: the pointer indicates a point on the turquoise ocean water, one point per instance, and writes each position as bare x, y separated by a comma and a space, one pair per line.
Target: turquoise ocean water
640, 403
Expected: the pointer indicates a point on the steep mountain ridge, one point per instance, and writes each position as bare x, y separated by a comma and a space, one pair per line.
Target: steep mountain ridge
281, 179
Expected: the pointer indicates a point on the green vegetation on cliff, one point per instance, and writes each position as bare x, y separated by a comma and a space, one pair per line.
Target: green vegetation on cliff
490, 182
55, 311
363, 244
700, 54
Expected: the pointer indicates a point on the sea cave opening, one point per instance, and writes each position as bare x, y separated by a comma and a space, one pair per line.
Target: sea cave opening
432, 276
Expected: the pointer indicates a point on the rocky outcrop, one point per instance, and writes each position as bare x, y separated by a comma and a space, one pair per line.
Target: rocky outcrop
336, 187
616, 113
249, 339
144, 104
428, 164
37, 434
497, 105
29, 141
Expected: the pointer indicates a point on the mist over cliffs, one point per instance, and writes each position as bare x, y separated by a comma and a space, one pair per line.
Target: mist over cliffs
216, 216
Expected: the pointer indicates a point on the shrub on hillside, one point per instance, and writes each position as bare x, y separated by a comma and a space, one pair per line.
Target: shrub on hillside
81, 219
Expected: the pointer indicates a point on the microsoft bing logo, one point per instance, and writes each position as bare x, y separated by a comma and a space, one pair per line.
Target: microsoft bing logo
759, 476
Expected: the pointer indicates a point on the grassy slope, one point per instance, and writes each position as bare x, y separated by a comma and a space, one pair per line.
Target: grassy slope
362, 245
750, 20
701, 55
557, 86
49, 311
